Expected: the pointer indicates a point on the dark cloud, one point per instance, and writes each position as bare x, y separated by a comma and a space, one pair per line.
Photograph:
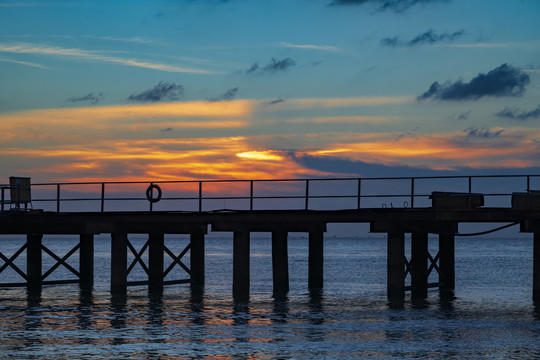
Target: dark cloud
483, 133
277, 101
169, 129
464, 116
505, 80
91, 97
227, 95
383, 5
162, 91
519, 115
344, 166
429, 37
272, 67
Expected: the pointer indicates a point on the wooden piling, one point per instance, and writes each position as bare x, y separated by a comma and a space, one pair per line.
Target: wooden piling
419, 264
197, 258
395, 283
280, 264
536, 267
34, 260
155, 262
447, 262
119, 263
315, 259
86, 260
241, 265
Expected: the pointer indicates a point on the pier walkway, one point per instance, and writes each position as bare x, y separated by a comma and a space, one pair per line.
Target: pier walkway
394, 206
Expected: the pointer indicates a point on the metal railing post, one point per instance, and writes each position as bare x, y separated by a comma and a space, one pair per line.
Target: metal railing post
102, 197
200, 196
412, 193
151, 196
58, 198
359, 192
251, 195
470, 192
307, 194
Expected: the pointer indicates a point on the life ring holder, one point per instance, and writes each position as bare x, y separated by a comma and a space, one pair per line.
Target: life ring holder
150, 193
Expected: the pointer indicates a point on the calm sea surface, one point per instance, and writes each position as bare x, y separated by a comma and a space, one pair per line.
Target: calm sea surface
490, 314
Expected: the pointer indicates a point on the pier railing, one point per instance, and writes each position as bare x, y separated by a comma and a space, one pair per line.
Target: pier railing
278, 194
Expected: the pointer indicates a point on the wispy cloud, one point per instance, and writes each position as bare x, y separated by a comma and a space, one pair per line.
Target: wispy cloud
90, 97
272, 67
383, 5
504, 80
226, 96
90, 55
429, 37
327, 103
311, 47
25, 63
509, 113
162, 91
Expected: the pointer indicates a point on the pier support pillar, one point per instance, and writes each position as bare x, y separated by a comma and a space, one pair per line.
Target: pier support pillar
155, 262
280, 262
119, 263
447, 262
33, 259
315, 259
197, 258
396, 265
536, 267
241, 265
86, 260
419, 264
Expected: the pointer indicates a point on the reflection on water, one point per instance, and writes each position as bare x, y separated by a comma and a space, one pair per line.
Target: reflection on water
350, 318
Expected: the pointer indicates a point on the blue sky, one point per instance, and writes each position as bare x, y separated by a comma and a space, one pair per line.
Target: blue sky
139, 90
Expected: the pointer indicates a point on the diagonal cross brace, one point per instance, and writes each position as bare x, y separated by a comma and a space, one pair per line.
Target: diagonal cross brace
433, 264
60, 261
9, 262
138, 258
176, 260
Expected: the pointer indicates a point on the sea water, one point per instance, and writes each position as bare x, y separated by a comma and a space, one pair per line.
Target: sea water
490, 315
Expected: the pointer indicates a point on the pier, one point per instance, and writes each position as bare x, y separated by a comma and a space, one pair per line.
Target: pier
393, 206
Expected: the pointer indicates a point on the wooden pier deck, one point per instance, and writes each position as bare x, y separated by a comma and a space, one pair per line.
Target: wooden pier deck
441, 215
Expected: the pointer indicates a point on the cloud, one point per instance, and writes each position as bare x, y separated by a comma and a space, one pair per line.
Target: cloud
91, 97
226, 96
311, 47
272, 67
429, 37
383, 5
162, 91
88, 55
505, 80
464, 116
519, 115
483, 133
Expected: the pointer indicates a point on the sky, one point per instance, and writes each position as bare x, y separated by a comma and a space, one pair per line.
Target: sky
238, 89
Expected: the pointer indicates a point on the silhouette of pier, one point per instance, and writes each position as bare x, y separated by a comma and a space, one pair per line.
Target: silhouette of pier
394, 206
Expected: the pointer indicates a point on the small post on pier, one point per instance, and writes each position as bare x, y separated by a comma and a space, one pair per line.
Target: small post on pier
33, 259
197, 258
419, 264
280, 264
241, 265
86, 260
315, 259
536, 267
396, 265
119, 263
155, 262
447, 262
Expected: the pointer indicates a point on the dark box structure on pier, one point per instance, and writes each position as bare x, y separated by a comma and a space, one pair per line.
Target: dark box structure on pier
526, 200
456, 200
